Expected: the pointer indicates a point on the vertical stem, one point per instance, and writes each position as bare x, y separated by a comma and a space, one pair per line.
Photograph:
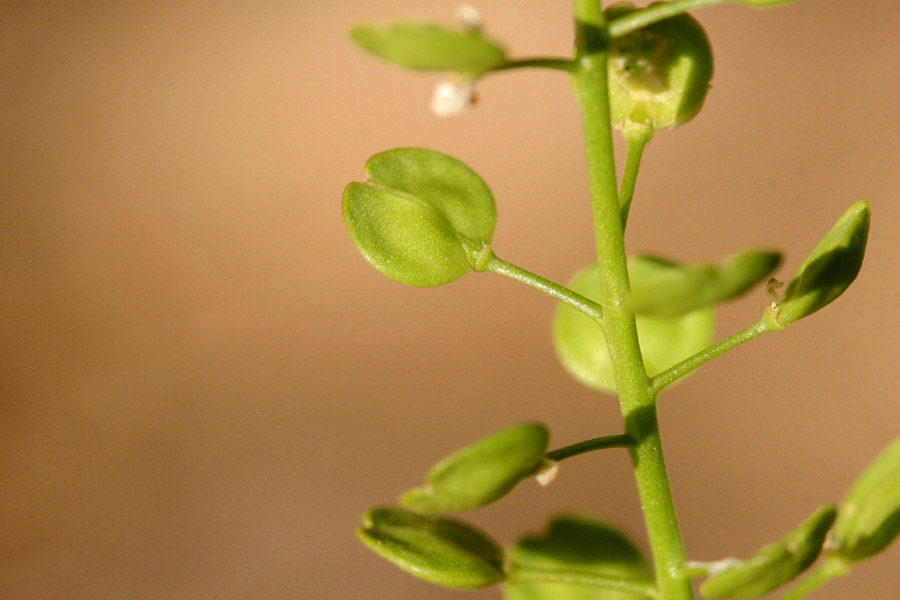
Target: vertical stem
638, 403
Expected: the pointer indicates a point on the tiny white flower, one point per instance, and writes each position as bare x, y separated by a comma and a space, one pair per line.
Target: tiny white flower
452, 96
469, 16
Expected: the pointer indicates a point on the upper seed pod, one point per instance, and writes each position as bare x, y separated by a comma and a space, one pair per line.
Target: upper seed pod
481, 472
431, 47
659, 74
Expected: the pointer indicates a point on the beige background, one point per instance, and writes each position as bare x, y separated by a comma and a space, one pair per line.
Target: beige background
203, 386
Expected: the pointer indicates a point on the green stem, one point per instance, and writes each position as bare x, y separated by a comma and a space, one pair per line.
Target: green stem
600, 443
563, 294
559, 64
637, 140
686, 366
830, 569
652, 14
642, 588
637, 401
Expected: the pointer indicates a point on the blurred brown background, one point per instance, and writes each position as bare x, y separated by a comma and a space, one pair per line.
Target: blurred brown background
203, 385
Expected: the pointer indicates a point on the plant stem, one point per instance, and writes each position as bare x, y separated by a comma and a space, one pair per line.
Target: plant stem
636, 399
675, 373
600, 443
559, 64
829, 570
656, 12
563, 294
642, 588
638, 139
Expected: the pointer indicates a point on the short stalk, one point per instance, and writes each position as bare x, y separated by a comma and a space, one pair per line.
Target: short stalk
675, 373
653, 14
637, 139
554, 290
557, 64
635, 396
600, 443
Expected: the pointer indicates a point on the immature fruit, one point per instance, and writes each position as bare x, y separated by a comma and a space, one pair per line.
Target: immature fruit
437, 549
659, 74
481, 472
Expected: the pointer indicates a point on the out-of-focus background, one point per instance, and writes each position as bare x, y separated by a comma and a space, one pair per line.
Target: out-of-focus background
203, 385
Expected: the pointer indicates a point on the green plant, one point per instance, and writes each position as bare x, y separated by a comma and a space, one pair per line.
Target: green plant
630, 327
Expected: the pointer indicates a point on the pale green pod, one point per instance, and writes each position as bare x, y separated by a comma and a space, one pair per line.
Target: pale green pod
659, 74
481, 472
437, 549
869, 518
576, 544
431, 47
775, 564
422, 218
665, 289
829, 269
665, 341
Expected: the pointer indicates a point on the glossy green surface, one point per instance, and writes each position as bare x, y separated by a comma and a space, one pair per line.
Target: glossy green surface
830, 268
437, 549
481, 472
421, 217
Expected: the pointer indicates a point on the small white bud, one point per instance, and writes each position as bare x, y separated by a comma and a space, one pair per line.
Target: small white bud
469, 16
547, 472
452, 97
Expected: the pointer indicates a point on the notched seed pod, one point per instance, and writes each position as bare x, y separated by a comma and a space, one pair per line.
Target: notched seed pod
481, 472
658, 75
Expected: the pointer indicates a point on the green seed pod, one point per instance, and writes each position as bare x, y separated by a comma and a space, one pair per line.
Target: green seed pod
869, 518
829, 269
576, 544
659, 74
437, 549
481, 472
430, 47
422, 218
775, 564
